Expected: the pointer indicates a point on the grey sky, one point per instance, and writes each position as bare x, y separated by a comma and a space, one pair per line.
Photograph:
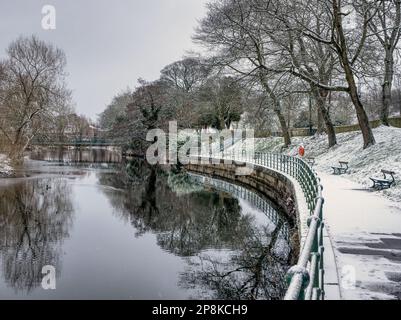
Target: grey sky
109, 43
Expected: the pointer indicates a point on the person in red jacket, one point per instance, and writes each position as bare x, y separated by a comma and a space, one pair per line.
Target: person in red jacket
301, 150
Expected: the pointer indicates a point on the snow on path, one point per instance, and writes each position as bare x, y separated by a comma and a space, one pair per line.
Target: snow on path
365, 229
364, 225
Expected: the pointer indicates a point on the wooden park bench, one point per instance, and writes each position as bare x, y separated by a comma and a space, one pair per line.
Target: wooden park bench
384, 183
342, 169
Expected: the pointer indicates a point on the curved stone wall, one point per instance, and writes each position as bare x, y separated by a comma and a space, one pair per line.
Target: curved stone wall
274, 185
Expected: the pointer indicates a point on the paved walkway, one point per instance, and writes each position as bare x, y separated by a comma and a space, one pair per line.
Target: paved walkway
365, 231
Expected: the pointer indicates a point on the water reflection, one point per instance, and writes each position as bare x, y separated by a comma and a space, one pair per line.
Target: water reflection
35, 218
255, 271
193, 238
77, 155
229, 253
184, 224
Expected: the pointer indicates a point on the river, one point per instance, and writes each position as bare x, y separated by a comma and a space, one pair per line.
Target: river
120, 229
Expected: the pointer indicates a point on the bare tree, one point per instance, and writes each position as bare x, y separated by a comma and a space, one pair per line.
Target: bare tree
232, 32
285, 23
386, 26
183, 80
186, 75
30, 91
350, 41
222, 101
347, 59
350, 45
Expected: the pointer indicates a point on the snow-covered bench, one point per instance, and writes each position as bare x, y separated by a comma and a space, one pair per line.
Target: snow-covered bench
342, 169
385, 183
310, 161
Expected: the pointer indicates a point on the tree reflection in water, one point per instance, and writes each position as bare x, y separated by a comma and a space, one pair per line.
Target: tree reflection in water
253, 271
35, 218
229, 255
76, 155
185, 224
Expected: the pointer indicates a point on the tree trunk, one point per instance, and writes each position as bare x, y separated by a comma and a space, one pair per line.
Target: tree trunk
277, 109
342, 50
17, 154
284, 127
320, 97
17, 149
386, 103
397, 102
331, 132
387, 87
222, 124
320, 127
288, 117
399, 96
363, 120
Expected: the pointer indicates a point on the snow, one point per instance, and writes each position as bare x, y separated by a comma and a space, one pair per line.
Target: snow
385, 154
364, 228
363, 225
5, 169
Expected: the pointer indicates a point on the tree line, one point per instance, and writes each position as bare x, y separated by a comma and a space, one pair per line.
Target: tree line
269, 65
273, 65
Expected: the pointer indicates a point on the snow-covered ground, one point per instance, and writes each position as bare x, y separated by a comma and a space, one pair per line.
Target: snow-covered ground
364, 226
364, 229
386, 154
5, 168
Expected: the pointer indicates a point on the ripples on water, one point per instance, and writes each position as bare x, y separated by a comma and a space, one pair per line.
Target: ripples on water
125, 230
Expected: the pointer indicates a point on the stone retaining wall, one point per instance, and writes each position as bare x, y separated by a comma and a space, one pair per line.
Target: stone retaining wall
272, 184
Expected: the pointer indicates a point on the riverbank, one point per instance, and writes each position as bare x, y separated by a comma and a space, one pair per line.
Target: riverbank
6, 169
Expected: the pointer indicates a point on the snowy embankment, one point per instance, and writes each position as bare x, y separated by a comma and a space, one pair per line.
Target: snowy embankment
386, 154
363, 227
5, 169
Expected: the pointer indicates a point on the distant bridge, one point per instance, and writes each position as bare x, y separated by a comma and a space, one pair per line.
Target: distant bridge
88, 144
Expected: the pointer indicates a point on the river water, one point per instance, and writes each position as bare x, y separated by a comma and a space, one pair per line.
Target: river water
120, 229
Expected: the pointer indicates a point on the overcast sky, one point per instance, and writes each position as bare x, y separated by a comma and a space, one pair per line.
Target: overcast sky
109, 43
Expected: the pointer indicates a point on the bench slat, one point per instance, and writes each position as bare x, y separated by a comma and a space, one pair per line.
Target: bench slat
381, 181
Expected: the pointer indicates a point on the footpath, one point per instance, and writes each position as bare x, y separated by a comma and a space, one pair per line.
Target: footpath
363, 229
